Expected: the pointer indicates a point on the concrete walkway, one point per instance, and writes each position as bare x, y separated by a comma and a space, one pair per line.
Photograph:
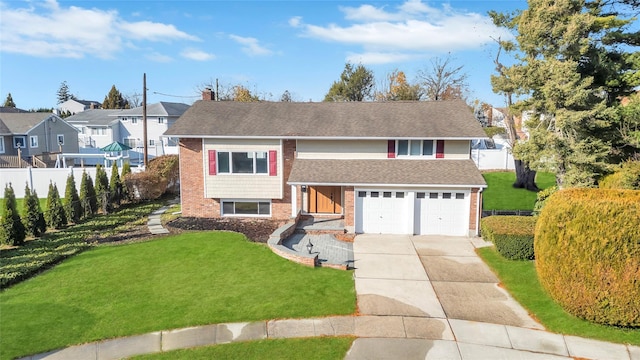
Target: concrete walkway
154, 222
410, 306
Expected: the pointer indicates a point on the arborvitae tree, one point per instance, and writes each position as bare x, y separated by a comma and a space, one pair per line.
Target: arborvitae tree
115, 100
115, 186
87, 196
32, 215
9, 102
126, 194
42, 223
72, 205
12, 231
102, 189
63, 93
55, 217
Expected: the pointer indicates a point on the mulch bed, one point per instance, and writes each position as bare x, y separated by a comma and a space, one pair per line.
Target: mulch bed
257, 230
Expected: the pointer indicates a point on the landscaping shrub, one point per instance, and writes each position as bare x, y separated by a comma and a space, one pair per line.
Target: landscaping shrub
167, 167
146, 185
126, 193
12, 231
32, 215
115, 186
87, 196
588, 253
626, 177
72, 205
512, 235
102, 189
55, 216
541, 198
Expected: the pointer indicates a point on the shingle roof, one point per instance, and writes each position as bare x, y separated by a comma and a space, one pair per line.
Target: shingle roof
158, 109
397, 119
21, 123
386, 171
94, 117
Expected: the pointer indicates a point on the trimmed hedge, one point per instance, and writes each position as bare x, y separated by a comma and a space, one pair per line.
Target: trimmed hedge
587, 249
512, 235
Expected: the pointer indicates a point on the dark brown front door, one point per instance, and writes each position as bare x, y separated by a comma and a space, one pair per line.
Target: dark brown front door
325, 199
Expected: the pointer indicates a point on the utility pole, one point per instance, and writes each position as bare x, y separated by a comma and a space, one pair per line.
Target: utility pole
144, 119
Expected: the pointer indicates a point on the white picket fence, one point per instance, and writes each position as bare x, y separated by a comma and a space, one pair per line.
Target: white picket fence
493, 159
39, 178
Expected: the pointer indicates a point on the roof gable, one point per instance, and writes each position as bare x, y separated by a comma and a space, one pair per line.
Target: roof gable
397, 119
22, 123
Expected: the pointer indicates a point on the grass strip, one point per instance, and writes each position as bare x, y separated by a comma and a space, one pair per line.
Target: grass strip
501, 195
172, 282
521, 280
323, 348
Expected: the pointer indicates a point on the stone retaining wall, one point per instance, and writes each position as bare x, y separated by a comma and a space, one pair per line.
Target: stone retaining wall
283, 232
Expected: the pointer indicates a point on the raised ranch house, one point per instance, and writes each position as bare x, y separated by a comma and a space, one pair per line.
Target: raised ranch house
385, 167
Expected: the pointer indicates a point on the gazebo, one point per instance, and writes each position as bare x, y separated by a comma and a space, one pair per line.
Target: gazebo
114, 152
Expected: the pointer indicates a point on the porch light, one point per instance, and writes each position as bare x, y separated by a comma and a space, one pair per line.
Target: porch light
303, 188
309, 246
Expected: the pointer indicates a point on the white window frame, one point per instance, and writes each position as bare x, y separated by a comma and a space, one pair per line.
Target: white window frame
33, 141
230, 162
134, 120
98, 131
160, 120
420, 152
15, 143
1, 144
60, 139
235, 214
152, 142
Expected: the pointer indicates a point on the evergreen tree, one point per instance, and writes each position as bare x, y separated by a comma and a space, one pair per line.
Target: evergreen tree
72, 205
12, 231
55, 216
63, 93
115, 100
126, 193
115, 186
42, 223
32, 214
355, 84
102, 189
87, 196
9, 102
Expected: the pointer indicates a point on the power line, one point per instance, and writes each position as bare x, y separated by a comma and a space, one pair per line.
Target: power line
177, 96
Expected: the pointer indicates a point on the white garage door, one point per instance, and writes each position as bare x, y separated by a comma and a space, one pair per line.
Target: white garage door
382, 212
442, 213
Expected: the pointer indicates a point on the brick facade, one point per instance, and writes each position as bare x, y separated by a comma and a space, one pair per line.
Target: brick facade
349, 207
281, 208
194, 203
473, 213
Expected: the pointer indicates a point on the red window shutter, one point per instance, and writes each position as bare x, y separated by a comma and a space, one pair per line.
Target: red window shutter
440, 149
212, 162
391, 149
273, 163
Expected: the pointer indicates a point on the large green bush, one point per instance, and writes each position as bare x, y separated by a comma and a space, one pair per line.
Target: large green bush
512, 235
12, 231
587, 249
626, 177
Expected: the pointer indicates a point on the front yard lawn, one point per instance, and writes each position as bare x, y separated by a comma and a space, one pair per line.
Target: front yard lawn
501, 195
178, 281
521, 280
323, 348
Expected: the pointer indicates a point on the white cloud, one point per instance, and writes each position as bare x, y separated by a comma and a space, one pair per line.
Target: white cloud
295, 21
251, 46
411, 29
50, 30
160, 58
376, 58
197, 55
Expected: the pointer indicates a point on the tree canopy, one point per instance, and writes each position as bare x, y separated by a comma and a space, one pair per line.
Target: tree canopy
396, 87
356, 84
443, 81
115, 100
63, 93
8, 102
569, 75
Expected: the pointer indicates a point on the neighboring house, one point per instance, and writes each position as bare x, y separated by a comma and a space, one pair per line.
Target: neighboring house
98, 128
75, 106
160, 116
386, 167
36, 133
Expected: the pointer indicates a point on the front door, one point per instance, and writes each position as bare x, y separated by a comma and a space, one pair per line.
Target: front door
325, 199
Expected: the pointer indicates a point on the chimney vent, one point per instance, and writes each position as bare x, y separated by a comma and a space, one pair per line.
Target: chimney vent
208, 94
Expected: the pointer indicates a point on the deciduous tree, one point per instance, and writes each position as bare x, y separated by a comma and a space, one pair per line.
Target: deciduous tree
397, 88
356, 84
443, 81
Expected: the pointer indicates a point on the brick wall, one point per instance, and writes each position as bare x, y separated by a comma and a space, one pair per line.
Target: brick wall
281, 208
473, 213
192, 181
349, 206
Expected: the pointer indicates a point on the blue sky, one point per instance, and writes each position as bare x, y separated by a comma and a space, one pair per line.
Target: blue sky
266, 46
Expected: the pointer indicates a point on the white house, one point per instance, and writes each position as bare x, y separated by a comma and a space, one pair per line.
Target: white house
75, 106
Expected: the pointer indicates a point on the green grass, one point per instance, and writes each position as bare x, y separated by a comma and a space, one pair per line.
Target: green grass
521, 280
324, 348
174, 282
20, 203
501, 195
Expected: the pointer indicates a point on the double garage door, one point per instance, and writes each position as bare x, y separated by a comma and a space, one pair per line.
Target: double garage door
442, 212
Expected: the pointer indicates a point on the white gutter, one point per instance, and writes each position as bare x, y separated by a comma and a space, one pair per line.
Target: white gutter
387, 185
302, 137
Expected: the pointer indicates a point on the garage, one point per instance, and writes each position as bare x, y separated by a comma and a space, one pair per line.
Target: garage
441, 213
382, 212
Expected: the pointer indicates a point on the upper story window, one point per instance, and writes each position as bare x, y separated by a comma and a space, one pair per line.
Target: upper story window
19, 142
60, 139
1, 144
254, 162
160, 120
134, 120
98, 131
415, 148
